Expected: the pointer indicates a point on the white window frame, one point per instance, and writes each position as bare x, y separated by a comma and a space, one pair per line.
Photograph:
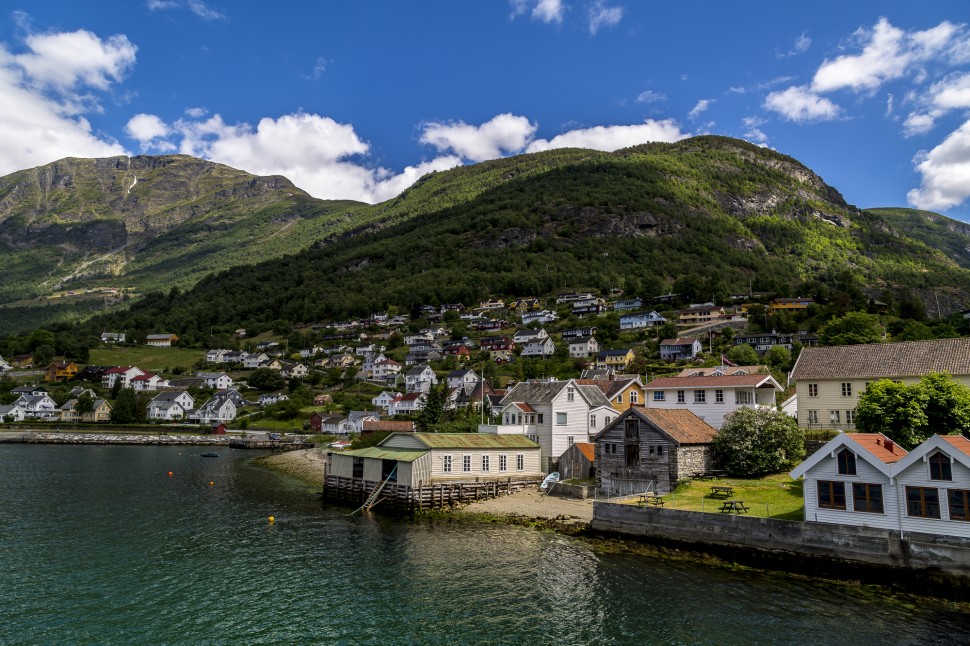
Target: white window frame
519, 461
485, 463
562, 419
503, 462
446, 464
466, 463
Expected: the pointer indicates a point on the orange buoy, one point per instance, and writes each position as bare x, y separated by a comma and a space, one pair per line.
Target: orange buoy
211, 483
169, 474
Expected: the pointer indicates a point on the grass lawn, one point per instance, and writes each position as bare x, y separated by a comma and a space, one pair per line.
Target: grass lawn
776, 496
146, 357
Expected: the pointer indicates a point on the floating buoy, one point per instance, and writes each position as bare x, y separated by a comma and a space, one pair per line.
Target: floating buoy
169, 474
211, 483
272, 519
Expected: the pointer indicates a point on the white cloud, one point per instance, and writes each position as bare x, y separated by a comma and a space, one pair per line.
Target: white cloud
918, 124
952, 93
801, 105
319, 67
503, 134
945, 171
196, 113
649, 96
547, 11
41, 114
753, 131
149, 131
602, 16
610, 138
66, 60
888, 53
701, 106
198, 7
801, 45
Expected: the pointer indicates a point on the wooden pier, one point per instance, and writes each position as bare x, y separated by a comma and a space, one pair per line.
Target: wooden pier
274, 445
407, 499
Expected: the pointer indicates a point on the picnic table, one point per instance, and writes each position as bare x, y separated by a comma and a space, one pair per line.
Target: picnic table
713, 474
736, 506
722, 490
651, 499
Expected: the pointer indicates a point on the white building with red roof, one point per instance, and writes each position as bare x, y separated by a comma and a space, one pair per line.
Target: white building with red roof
712, 398
124, 374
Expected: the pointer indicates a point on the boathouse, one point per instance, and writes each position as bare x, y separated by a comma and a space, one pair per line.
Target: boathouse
426, 470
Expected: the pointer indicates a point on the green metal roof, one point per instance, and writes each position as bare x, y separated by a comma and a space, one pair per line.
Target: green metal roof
386, 453
475, 441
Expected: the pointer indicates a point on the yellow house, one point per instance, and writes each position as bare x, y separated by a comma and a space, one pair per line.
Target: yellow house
618, 359
62, 371
790, 304
622, 393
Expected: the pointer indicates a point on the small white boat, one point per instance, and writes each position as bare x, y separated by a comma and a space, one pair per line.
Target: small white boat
550, 480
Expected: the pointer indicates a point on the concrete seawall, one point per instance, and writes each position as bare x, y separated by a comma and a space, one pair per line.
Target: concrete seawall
790, 539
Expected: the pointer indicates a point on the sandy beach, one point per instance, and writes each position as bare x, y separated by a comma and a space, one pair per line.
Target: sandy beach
308, 465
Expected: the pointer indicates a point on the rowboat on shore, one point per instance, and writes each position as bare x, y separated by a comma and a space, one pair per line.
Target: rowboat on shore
550, 480
209, 455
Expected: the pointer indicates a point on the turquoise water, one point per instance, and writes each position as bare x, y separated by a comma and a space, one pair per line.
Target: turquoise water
101, 546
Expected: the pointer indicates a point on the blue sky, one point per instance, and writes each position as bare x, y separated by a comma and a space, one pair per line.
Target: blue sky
358, 99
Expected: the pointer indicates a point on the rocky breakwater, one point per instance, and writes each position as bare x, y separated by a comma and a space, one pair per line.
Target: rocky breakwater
121, 438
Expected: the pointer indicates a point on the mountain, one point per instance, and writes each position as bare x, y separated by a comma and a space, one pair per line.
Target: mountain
78, 229
704, 217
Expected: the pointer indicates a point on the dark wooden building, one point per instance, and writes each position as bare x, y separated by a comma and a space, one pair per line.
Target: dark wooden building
652, 449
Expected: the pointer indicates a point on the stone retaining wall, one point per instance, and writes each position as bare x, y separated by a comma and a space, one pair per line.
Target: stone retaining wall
119, 438
861, 545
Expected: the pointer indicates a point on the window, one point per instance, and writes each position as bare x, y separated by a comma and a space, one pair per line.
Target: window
607, 420
570, 394
867, 497
700, 396
634, 397
519, 462
446, 464
813, 417
484, 463
850, 416
940, 468
846, 461
659, 395
570, 440
813, 390
503, 462
743, 397
718, 396
959, 504
846, 389
560, 419
631, 430
592, 421
831, 494
835, 417
534, 438
539, 418
651, 449
923, 502
680, 397
660, 449
466, 463
619, 398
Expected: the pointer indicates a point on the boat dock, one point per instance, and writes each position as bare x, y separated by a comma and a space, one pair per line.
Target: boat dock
407, 499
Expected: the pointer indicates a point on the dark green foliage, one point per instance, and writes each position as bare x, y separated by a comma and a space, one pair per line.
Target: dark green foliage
432, 414
128, 408
84, 404
852, 329
265, 379
755, 442
743, 355
43, 355
910, 414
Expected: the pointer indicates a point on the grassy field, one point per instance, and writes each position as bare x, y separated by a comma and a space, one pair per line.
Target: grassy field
775, 496
146, 357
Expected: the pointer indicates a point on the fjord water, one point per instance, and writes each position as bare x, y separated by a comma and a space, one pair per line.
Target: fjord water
101, 546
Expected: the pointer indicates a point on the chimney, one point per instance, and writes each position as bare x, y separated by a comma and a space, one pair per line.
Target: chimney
889, 445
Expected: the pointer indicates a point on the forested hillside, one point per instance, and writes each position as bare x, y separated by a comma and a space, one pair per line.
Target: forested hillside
704, 217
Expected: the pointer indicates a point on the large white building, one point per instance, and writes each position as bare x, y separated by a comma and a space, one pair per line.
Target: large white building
712, 398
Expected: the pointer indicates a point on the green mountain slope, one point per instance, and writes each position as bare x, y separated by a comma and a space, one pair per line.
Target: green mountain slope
141, 223
703, 217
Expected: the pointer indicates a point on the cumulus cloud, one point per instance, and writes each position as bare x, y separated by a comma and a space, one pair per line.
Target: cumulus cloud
149, 131
66, 60
649, 96
753, 131
946, 173
610, 138
700, 108
46, 91
801, 105
547, 11
503, 134
601, 15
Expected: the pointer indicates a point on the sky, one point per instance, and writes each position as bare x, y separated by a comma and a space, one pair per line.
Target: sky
357, 100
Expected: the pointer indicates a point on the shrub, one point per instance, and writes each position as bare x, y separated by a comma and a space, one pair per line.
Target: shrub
758, 441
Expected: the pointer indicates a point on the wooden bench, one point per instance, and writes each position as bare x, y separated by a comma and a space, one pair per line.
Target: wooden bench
735, 506
720, 490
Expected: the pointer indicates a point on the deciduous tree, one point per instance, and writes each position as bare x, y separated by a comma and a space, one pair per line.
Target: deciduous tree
758, 441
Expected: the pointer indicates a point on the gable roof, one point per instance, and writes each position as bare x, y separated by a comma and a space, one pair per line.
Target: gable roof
473, 441
956, 446
727, 370
872, 447
680, 425
587, 449
884, 360
546, 391
678, 341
